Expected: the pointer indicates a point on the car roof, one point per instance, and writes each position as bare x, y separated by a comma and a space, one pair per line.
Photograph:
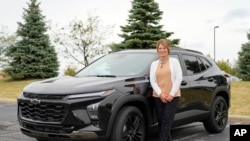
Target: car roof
173, 49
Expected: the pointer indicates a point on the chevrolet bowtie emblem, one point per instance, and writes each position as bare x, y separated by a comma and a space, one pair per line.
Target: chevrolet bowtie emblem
35, 101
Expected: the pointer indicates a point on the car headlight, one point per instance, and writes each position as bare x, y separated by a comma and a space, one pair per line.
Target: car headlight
92, 108
95, 94
20, 95
93, 111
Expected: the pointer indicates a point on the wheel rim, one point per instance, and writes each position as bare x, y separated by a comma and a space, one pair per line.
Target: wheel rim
221, 114
133, 129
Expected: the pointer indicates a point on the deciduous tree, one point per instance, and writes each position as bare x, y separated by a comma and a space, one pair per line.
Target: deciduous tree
224, 65
6, 39
83, 41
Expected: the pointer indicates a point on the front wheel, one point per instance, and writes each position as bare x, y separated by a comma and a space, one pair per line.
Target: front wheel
129, 125
217, 120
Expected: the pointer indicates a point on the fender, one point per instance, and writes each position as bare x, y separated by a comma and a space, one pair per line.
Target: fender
221, 91
137, 100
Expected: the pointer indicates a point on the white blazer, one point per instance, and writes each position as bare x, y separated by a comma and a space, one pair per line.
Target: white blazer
176, 76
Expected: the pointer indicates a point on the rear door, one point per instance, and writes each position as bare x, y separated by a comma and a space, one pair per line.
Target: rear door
196, 87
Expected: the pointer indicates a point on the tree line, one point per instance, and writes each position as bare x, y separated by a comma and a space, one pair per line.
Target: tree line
32, 53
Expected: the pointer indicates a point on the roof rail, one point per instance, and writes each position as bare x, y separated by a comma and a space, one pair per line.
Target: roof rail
184, 49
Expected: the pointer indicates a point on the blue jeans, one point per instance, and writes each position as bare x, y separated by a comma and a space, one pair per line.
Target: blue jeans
165, 114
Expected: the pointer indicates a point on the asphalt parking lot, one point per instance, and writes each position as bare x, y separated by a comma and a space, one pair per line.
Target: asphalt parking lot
10, 131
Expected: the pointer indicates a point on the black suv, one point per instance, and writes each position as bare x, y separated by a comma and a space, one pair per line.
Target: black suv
112, 99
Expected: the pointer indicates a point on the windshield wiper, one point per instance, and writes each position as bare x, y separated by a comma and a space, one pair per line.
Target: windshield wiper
103, 75
106, 75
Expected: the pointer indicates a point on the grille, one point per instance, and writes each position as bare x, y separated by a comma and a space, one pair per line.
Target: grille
43, 112
48, 129
43, 96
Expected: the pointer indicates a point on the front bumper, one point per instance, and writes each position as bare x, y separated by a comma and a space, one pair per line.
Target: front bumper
75, 135
53, 120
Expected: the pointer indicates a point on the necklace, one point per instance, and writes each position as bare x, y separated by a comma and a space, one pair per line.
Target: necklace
162, 62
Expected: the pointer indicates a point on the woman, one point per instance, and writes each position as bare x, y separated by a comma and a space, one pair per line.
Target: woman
165, 79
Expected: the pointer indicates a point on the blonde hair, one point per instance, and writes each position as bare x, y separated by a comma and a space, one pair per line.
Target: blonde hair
166, 43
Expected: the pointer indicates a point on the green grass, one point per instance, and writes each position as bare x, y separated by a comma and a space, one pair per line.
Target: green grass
240, 98
240, 94
10, 89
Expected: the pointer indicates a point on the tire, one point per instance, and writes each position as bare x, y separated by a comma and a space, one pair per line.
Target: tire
218, 117
129, 125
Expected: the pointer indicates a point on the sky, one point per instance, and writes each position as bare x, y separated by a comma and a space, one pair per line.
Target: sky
192, 21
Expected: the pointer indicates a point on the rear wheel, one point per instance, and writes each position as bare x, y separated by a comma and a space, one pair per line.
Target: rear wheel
217, 120
129, 125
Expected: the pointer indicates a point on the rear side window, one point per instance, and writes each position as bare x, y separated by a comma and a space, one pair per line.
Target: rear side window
195, 64
206, 63
191, 64
202, 66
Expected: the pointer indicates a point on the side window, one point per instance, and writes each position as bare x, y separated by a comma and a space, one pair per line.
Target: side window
175, 56
202, 66
206, 63
192, 64
178, 58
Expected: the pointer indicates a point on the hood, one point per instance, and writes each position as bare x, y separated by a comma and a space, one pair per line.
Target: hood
73, 85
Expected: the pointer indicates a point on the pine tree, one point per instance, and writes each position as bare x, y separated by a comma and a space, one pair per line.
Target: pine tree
143, 28
32, 56
244, 60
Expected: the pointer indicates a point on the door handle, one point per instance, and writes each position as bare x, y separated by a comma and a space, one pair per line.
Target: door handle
183, 83
210, 79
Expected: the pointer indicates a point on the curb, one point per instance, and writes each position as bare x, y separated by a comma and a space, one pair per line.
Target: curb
8, 101
239, 119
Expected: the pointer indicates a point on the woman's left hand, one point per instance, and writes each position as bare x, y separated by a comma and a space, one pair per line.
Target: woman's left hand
169, 98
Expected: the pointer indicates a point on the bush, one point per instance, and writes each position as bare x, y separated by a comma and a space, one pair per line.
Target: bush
3, 74
70, 71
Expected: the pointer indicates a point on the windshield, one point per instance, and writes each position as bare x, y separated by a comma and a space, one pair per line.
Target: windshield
118, 64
